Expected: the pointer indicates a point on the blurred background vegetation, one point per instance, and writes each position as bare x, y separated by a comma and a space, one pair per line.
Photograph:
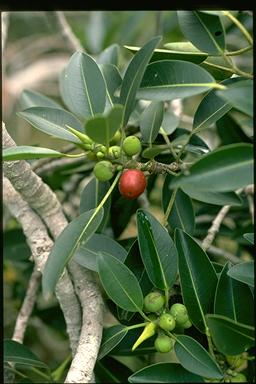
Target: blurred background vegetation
34, 56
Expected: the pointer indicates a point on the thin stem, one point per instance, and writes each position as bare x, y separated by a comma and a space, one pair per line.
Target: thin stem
136, 326
169, 208
234, 69
239, 51
184, 145
166, 293
106, 196
56, 375
209, 340
239, 26
39, 373
168, 142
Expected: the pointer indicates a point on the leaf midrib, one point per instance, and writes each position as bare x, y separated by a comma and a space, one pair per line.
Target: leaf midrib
198, 127
208, 32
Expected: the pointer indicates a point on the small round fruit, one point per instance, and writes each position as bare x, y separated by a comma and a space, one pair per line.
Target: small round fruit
115, 151
187, 325
100, 155
116, 138
167, 322
239, 378
92, 156
131, 145
179, 312
132, 183
153, 302
163, 343
103, 170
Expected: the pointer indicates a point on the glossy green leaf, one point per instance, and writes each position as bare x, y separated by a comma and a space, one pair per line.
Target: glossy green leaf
249, 237
172, 79
233, 299
151, 152
170, 122
230, 337
110, 338
26, 152
109, 55
198, 278
157, 250
240, 96
113, 81
182, 213
175, 51
203, 30
211, 108
111, 370
91, 196
164, 373
231, 131
151, 120
218, 67
124, 348
120, 283
87, 254
31, 98
133, 76
15, 352
102, 128
52, 121
224, 169
82, 86
193, 357
78, 230
218, 198
243, 272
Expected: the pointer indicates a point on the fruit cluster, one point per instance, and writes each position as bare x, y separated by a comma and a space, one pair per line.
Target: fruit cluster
166, 320
132, 181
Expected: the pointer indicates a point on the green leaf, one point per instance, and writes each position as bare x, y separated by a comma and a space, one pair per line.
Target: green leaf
52, 121
172, 79
164, 373
113, 80
175, 51
157, 250
243, 272
249, 237
211, 108
110, 338
18, 353
31, 98
170, 122
218, 198
82, 86
87, 254
240, 96
120, 283
27, 152
231, 131
133, 76
151, 152
182, 213
78, 230
233, 299
218, 67
198, 278
230, 337
224, 169
91, 196
124, 348
151, 120
111, 370
195, 358
109, 55
101, 129
203, 30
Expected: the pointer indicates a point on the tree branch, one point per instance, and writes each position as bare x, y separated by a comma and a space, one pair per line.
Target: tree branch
40, 245
45, 203
27, 306
214, 229
67, 32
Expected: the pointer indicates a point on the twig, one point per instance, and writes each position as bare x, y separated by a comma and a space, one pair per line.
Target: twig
67, 32
221, 253
39, 163
214, 229
239, 26
27, 306
40, 245
35, 74
41, 198
56, 164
